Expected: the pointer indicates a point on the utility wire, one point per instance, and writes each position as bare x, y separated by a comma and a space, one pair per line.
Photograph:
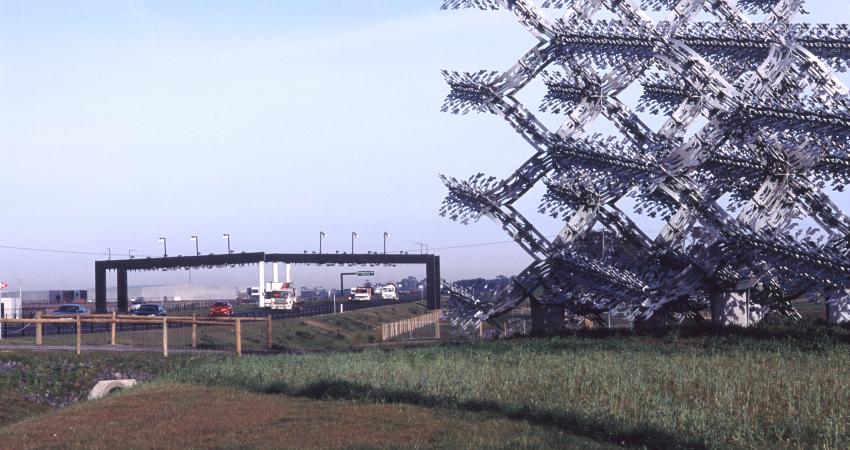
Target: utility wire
53, 250
50, 250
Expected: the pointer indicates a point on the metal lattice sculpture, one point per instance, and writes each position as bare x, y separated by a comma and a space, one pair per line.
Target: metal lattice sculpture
774, 143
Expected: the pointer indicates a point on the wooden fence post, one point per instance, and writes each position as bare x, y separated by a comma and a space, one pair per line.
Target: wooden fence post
194, 330
112, 329
79, 335
238, 337
165, 337
437, 326
481, 329
269, 331
39, 336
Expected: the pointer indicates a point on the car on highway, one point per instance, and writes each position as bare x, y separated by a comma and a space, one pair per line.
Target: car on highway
70, 309
149, 309
136, 302
389, 291
221, 309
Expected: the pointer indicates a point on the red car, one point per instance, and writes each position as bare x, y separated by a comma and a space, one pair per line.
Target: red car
224, 309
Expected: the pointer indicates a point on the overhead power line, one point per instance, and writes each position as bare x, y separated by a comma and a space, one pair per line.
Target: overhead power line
53, 250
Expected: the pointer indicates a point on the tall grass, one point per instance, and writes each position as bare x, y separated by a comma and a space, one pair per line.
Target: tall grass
716, 392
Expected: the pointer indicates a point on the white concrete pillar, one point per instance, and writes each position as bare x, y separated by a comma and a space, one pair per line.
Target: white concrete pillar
262, 284
288, 273
838, 309
274, 273
734, 308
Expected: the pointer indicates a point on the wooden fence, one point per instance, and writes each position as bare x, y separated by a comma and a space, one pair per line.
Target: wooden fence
408, 328
114, 320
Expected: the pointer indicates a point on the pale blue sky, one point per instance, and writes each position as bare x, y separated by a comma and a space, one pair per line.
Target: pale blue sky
122, 121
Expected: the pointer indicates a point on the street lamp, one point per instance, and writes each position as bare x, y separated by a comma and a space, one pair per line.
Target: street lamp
386, 235
195, 238
164, 247
322, 235
227, 236
353, 235
130, 253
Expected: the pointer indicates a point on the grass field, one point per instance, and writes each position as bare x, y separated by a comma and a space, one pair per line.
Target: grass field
687, 392
765, 387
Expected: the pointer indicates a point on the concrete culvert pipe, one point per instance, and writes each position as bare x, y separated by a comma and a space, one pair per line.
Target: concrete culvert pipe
106, 387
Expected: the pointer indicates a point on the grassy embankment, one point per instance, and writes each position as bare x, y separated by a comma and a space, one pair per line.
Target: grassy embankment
35, 383
751, 389
191, 416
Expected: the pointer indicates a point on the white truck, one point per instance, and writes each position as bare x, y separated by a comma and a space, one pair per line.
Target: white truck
362, 294
282, 296
389, 291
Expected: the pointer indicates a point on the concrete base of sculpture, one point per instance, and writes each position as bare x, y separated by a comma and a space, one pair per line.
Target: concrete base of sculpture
838, 311
546, 320
734, 308
106, 387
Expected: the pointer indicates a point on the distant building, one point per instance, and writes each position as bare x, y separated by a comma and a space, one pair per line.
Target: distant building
187, 292
68, 296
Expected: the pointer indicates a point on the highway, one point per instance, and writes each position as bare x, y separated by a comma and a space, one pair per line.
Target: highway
309, 309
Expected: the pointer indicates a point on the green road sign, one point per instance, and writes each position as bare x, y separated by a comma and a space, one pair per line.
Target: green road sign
366, 273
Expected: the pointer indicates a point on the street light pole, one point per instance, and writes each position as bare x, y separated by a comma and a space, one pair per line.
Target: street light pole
322, 235
20, 309
386, 235
227, 236
353, 235
164, 247
421, 246
195, 238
